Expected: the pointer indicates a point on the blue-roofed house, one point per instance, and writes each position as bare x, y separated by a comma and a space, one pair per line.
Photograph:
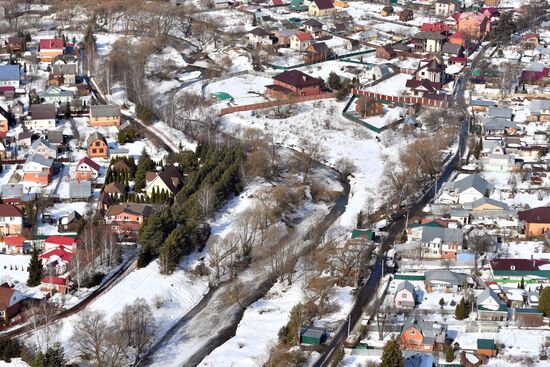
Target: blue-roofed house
9, 76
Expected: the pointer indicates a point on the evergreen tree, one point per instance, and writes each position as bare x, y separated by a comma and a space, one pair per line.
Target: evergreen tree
35, 269
544, 301
288, 334
392, 357
460, 310
53, 357
334, 81
441, 302
504, 29
522, 284
144, 164
450, 355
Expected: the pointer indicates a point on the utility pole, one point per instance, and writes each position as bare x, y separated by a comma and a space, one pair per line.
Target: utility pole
349, 324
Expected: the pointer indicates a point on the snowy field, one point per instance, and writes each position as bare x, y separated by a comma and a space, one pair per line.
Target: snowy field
394, 86
246, 89
13, 268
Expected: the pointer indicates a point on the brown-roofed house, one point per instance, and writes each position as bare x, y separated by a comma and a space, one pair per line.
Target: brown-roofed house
537, 221
316, 52
385, 52
386, 11
11, 220
10, 302
405, 15
97, 146
169, 180
321, 8
114, 188
294, 82
126, 219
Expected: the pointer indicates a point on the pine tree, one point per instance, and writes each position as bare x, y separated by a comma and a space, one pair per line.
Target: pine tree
35, 269
441, 302
522, 284
450, 355
460, 310
392, 357
53, 357
544, 301
334, 81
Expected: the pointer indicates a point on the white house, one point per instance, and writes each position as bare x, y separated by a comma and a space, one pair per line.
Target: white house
56, 95
259, 36
465, 190
300, 41
9, 76
41, 117
445, 8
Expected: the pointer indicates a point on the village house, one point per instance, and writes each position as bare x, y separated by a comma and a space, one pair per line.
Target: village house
71, 222
513, 270
11, 220
540, 110
321, 8
67, 243
300, 41
38, 169
486, 348
465, 190
67, 71
9, 76
428, 41
16, 44
476, 25
405, 15
313, 26
486, 206
126, 219
490, 307
405, 295
10, 302
422, 88
41, 117
15, 244
50, 48
259, 36
169, 180
86, 169
440, 243
294, 82
414, 230
56, 261
431, 69
385, 52
386, 11
44, 148
367, 106
421, 335
104, 115
54, 284
97, 146
316, 52
445, 8
536, 221
57, 96
444, 281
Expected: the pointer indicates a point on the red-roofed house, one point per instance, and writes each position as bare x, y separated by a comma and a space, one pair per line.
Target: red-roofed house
57, 260
294, 82
537, 221
460, 38
300, 41
474, 24
86, 170
50, 48
54, 242
535, 77
531, 39
50, 284
15, 244
435, 27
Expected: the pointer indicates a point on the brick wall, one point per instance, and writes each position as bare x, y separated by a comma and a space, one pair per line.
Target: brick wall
262, 105
444, 103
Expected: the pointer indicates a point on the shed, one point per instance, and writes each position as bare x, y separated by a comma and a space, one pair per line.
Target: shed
312, 335
486, 347
363, 233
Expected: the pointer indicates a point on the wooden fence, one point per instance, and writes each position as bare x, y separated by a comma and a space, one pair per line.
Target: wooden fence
270, 104
428, 102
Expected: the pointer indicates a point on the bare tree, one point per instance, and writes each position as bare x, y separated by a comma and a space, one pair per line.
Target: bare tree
310, 151
479, 242
219, 250
206, 198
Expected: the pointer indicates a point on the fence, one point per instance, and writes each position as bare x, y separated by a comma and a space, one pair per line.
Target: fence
428, 102
337, 57
270, 104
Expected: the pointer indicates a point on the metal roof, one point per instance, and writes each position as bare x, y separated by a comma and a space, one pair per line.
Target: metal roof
9, 72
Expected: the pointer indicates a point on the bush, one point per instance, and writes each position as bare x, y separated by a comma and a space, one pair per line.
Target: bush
93, 280
144, 113
9, 348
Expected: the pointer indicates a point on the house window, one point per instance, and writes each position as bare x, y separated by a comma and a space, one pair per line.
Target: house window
413, 332
97, 143
94, 151
403, 295
101, 150
512, 267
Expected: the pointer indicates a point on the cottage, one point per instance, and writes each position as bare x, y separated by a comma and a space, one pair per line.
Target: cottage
115, 189
9, 76
67, 71
536, 221
56, 261
97, 146
490, 306
431, 69
465, 190
486, 206
445, 8
316, 52
428, 41
71, 222
444, 281
294, 82
10, 302
126, 219
44, 148
385, 52
54, 284
313, 26
422, 88
405, 15
369, 106
41, 117
405, 295
486, 347
38, 169
476, 25
80, 190
65, 242
169, 180
540, 110
321, 8
386, 11
50, 48
421, 335
11, 220
86, 169
440, 243
259, 36
300, 41
452, 49
16, 245
104, 115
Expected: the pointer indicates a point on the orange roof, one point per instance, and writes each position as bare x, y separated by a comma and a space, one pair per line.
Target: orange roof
14, 241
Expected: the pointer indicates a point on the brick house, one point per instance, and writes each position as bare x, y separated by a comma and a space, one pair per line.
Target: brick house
54, 284
38, 169
369, 106
405, 15
97, 146
50, 48
536, 221
385, 52
126, 219
11, 220
294, 82
104, 115
476, 25
421, 335
86, 170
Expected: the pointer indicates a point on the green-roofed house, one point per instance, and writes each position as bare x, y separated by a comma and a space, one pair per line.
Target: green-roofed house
486, 347
363, 234
312, 335
222, 96
296, 5
528, 317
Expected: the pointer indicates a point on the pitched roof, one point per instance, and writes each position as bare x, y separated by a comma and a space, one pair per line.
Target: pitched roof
9, 72
445, 276
40, 159
539, 104
516, 264
324, 4
258, 31
451, 48
485, 344
55, 137
475, 181
95, 136
80, 189
424, 83
486, 200
500, 112
303, 36
405, 285
12, 191
44, 111
171, 177
313, 23
7, 210
535, 215
61, 240
54, 280
43, 142
436, 36
6, 293
297, 79
59, 252
65, 68
318, 47
131, 208
90, 163
14, 241
105, 111
114, 188
53, 43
